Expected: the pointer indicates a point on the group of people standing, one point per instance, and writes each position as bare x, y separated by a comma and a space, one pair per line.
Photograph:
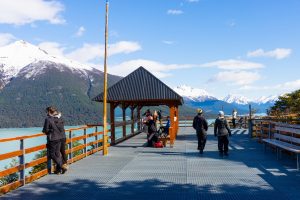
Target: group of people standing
56, 139
221, 130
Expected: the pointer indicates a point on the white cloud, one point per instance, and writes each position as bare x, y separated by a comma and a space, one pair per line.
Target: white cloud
278, 53
158, 69
232, 64
236, 77
287, 86
80, 31
174, 12
6, 38
168, 42
52, 48
192, 1
24, 12
124, 47
89, 52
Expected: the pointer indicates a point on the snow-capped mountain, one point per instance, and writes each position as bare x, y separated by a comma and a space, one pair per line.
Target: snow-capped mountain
15, 56
238, 99
266, 99
31, 79
194, 94
196, 98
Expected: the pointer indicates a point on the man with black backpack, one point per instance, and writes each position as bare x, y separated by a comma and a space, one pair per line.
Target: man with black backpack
201, 126
222, 130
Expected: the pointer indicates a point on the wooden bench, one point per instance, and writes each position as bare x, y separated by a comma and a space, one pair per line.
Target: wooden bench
286, 137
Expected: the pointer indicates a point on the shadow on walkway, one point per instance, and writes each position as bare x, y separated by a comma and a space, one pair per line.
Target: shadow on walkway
146, 189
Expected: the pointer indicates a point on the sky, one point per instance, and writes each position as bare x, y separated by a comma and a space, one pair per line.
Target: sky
243, 47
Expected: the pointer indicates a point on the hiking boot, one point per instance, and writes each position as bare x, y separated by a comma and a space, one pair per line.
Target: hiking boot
226, 154
57, 172
64, 168
221, 154
201, 151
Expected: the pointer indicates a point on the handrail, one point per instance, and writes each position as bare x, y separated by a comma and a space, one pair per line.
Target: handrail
39, 134
74, 152
22, 137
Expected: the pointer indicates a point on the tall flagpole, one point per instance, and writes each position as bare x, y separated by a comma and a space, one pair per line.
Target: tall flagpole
105, 149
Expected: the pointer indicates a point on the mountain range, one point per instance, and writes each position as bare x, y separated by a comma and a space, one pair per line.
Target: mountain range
32, 79
195, 98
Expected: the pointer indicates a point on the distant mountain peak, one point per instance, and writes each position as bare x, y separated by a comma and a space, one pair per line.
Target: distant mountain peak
193, 94
235, 98
266, 99
20, 54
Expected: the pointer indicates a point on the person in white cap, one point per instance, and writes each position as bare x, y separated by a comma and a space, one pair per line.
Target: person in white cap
201, 126
222, 130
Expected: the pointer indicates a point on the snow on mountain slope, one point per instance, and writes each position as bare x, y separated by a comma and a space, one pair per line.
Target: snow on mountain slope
194, 94
15, 56
238, 99
266, 99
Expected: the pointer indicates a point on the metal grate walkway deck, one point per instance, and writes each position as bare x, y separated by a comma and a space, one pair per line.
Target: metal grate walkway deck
131, 171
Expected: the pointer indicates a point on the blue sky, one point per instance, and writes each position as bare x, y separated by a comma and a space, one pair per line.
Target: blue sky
245, 47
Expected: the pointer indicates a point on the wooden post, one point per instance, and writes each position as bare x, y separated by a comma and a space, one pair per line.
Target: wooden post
105, 149
70, 147
132, 118
22, 162
85, 142
172, 127
139, 117
177, 122
124, 120
112, 124
96, 138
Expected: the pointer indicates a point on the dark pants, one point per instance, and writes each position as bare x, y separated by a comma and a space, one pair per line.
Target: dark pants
54, 152
201, 141
233, 123
63, 151
223, 143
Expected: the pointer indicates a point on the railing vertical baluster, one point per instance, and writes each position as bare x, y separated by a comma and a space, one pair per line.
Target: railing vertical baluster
70, 146
96, 138
85, 142
22, 162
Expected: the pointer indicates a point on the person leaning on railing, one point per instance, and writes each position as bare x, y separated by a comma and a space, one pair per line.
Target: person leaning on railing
53, 128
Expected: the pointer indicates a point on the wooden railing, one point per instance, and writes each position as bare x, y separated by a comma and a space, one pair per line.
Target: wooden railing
82, 150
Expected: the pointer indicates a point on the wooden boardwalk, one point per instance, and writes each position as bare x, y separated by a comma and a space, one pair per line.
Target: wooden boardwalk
132, 171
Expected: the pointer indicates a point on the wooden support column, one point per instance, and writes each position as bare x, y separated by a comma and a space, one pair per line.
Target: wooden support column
172, 127
112, 123
124, 120
139, 117
132, 118
177, 119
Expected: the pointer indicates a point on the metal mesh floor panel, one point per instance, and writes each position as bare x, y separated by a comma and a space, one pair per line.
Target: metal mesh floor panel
132, 171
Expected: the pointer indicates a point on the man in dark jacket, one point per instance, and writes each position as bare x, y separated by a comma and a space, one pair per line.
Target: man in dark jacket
201, 126
54, 137
222, 130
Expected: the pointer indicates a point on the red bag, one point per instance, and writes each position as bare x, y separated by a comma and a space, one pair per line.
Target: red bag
158, 145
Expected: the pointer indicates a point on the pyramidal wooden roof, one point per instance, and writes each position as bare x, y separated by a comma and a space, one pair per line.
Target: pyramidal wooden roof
141, 88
